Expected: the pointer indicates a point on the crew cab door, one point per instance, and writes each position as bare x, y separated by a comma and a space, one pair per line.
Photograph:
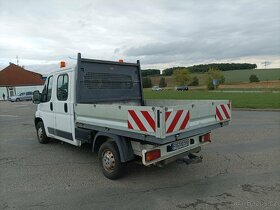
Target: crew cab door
46, 107
63, 108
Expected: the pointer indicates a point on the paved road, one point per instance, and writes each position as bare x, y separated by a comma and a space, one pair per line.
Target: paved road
240, 170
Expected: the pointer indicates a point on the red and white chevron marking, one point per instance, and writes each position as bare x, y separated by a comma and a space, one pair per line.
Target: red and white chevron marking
223, 112
176, 120
141, 120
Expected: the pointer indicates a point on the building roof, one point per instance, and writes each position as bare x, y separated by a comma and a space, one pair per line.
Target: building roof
14, 75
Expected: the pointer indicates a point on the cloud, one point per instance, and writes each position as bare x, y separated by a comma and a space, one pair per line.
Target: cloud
159, 32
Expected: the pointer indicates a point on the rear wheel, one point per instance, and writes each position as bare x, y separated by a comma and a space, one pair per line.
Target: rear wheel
17, 99
41, 133
109, 159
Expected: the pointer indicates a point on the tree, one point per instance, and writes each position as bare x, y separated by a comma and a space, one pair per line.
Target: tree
195, 81
162, 82
147, 82
150, 72
181, 77
214, 74
254, 78
169, 71
209, 83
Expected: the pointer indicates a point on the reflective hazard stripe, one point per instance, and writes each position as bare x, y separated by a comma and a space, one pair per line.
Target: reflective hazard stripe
176, 120
141, 120
223, 112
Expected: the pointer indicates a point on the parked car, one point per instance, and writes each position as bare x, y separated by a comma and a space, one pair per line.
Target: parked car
156, 88
182, 88
25, 96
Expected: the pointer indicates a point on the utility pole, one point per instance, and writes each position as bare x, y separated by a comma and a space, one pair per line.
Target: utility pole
17, 60
266, 63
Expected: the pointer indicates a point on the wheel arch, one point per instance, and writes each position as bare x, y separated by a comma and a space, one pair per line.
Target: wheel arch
36, 120
124, 146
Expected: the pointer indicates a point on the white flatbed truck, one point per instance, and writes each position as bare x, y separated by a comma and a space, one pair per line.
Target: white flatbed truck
102, 103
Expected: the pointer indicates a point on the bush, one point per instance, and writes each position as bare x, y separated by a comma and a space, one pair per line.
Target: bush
147, 82
195, 81
162, 82
254, 78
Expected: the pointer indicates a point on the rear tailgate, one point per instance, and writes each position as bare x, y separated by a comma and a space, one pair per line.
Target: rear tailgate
170, 120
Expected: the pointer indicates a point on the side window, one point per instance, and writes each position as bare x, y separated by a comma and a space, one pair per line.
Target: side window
49, 89
44, 94
62, 87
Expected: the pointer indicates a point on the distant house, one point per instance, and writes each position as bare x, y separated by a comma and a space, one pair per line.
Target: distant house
15, 80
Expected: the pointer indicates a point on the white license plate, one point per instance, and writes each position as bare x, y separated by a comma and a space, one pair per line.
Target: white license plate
179, 144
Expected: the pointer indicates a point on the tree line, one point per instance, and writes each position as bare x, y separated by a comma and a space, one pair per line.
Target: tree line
221, 67
200, 68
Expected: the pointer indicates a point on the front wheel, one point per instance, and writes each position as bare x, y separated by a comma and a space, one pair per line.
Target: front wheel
109, 159
41, 133
17, 99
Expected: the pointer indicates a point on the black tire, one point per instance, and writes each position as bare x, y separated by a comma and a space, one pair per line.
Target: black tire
109, 160
41, 133
17, 99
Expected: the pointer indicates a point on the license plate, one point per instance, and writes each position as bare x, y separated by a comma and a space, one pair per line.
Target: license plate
178, 145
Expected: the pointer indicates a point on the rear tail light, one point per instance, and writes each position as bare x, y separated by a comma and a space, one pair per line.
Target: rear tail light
206, 137
152, 155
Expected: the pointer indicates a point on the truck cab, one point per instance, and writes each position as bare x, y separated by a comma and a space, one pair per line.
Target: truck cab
55, 109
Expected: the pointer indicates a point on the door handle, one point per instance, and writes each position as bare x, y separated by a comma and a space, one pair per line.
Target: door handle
51, 106
65, 107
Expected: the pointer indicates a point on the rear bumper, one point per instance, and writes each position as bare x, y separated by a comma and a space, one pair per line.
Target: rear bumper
176, 157
170, 156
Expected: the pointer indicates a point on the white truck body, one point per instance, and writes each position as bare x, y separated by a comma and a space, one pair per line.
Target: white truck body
94, 101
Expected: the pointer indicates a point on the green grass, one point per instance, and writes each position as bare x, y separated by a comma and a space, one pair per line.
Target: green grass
249, 89
239, 100
243, 75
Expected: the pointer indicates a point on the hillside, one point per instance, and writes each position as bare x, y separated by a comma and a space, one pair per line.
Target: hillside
234, 76
243, 75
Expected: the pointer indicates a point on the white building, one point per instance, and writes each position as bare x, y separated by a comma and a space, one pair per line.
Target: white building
15, 80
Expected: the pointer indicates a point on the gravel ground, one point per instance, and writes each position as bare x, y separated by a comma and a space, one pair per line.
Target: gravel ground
240, 170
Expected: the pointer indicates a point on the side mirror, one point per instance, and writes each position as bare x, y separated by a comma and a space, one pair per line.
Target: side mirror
36, 97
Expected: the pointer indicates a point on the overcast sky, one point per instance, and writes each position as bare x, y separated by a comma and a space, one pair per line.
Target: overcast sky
159, 33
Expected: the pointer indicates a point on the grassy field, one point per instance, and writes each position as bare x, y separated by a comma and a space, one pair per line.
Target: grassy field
243, 75
264, 85
266, 100
237, 76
